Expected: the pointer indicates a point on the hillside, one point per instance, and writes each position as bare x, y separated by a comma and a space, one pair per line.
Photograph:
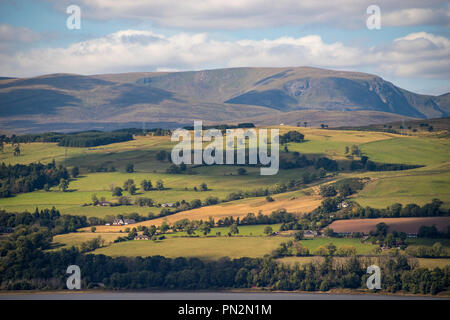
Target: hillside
408, 126
266, 96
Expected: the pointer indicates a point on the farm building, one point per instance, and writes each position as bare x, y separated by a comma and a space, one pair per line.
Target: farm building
343, 204
310, 234
344, 234
142, 237
121, 222
104, 204
165, 205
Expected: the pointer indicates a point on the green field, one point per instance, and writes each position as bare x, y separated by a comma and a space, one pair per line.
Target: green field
409, 150
361, 248
427, 242
216, 247
179, 186
333, 142
76, 238
419, 185
253, 230
411, 186
205, 248
433, 263
422, 262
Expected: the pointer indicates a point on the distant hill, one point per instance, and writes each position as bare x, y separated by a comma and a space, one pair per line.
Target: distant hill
405, 126
263, 95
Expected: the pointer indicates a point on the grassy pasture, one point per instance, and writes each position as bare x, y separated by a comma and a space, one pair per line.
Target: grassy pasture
252, 230
38, 152
408, 150
361, 248
205, 248
422, 262
179, 186
427, 242
433, 263
411, 186
76, 238
332, 142
418, 185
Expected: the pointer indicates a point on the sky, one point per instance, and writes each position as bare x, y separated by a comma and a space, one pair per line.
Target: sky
405, 42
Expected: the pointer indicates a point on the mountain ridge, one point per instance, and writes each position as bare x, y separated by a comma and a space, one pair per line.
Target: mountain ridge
217, 95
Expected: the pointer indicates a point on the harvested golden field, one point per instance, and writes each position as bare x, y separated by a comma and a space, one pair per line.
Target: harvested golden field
291, 201
408, 225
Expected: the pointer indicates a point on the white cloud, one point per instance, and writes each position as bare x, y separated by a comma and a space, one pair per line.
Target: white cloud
239, 14
414, 55
14, 38
417, 16
144, 50
10, 33
417, 54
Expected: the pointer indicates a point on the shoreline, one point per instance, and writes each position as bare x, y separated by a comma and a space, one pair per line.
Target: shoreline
232, 294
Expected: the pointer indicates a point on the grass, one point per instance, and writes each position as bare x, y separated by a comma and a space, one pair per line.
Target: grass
210, 248
419, 189
332, 143
296, 202
253, 230
38, 152
76, 238
422, 262
411, 186
427, 242
433, 263
179, 186
418, 186
361, 248
408, 150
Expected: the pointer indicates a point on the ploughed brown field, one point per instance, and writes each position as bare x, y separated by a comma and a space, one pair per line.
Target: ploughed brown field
408, 225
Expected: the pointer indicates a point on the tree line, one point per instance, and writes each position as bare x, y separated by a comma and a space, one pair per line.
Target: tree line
365, 164
21, 178
25, 265
93, 139
46, 218
75, 139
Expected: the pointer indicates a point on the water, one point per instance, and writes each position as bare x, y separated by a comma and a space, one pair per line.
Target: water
196, 295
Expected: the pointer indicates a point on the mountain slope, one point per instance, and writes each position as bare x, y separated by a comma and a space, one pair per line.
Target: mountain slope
221, 95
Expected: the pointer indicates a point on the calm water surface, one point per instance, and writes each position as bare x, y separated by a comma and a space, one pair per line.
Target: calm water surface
199, 296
